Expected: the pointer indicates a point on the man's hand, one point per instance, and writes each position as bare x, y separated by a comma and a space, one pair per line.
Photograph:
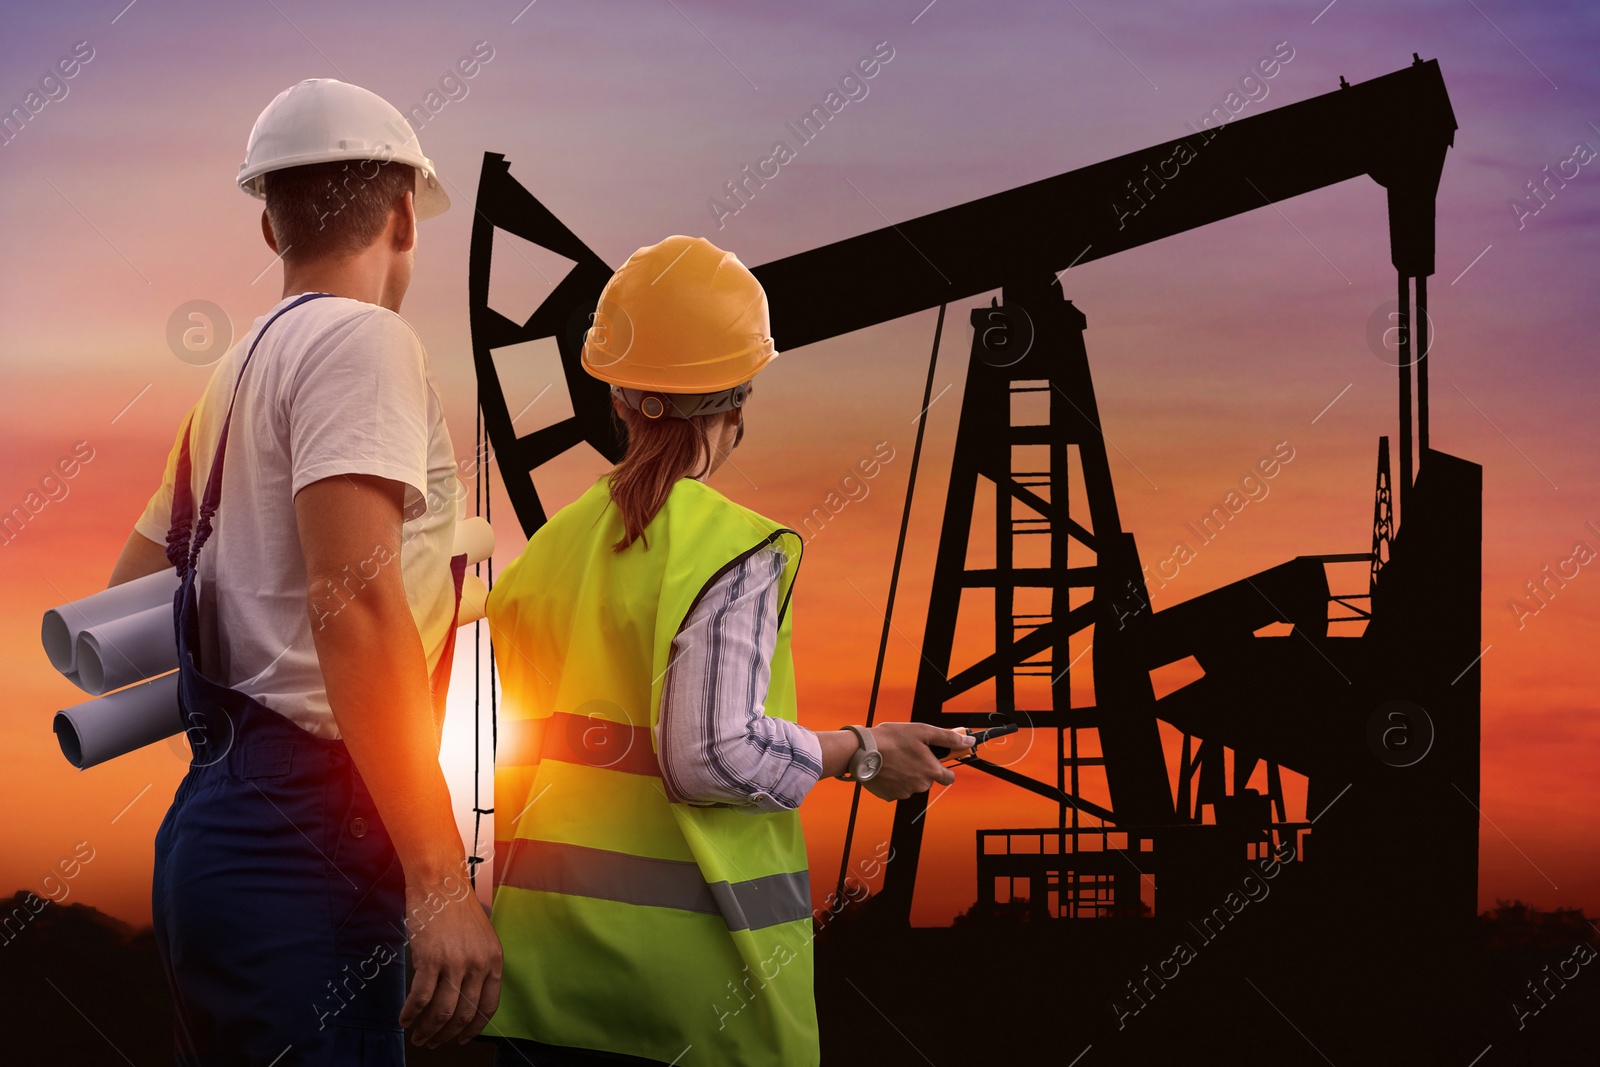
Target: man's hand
909, 765
456, 987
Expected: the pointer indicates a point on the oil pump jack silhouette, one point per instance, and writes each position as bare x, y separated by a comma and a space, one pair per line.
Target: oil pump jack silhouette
1384, 724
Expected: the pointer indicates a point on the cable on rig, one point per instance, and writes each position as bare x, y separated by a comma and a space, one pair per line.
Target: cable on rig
483, 490
894, 582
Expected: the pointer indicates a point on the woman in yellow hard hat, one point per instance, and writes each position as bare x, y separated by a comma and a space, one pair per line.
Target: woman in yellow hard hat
651, 891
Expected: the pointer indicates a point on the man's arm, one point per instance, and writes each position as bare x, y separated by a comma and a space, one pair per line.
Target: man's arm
140, 556
376, 675
145, 551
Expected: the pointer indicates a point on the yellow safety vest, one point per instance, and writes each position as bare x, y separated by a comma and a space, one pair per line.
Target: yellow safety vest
631, 924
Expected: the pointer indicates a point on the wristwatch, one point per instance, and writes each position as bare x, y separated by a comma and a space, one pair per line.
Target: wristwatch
866, 761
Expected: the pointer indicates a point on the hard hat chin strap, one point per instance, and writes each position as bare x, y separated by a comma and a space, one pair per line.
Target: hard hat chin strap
653, 404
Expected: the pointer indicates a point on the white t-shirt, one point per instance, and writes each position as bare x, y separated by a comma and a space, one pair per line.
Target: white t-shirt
337, 386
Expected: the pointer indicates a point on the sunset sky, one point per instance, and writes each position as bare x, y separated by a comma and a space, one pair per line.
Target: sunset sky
118, 206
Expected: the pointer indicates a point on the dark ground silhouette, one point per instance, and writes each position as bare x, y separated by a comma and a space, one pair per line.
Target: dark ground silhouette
1337, 991
1061, 980
82, 989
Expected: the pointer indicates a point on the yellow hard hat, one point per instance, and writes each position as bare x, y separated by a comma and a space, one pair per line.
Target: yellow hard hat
680, 317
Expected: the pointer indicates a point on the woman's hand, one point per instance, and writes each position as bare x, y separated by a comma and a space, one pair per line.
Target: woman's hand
909, 765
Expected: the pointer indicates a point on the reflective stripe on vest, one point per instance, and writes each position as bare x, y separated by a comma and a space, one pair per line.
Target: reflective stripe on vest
553, 867
586, 739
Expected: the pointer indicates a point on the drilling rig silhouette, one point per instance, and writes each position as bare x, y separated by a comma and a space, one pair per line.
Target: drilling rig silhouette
1377, 888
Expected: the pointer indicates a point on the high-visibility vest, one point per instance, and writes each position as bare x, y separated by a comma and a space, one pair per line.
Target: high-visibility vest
632, 924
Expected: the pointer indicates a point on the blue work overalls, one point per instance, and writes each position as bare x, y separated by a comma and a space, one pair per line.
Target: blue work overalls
278, 899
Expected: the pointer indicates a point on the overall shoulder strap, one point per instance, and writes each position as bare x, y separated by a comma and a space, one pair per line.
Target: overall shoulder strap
182, 521
183, 549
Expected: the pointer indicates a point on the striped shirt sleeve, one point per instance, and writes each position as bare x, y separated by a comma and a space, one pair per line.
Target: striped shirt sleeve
715, 742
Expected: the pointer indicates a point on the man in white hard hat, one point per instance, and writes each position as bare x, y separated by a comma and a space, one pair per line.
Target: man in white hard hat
312, 837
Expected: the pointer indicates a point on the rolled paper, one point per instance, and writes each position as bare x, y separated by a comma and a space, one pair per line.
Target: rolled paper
61, 626
475, 537
110, 726
126, 650
473, 595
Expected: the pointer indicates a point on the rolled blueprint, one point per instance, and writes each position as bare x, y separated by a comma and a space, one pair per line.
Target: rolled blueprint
102, 729
126, 650
473, 595
62, 624
475, 537
124, 634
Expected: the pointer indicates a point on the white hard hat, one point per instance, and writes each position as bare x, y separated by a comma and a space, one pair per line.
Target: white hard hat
324, 120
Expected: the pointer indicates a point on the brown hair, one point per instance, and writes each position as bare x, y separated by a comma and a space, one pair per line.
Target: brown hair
660, 451
332, 209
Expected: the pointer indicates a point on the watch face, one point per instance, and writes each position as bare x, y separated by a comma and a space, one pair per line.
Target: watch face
870, 764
